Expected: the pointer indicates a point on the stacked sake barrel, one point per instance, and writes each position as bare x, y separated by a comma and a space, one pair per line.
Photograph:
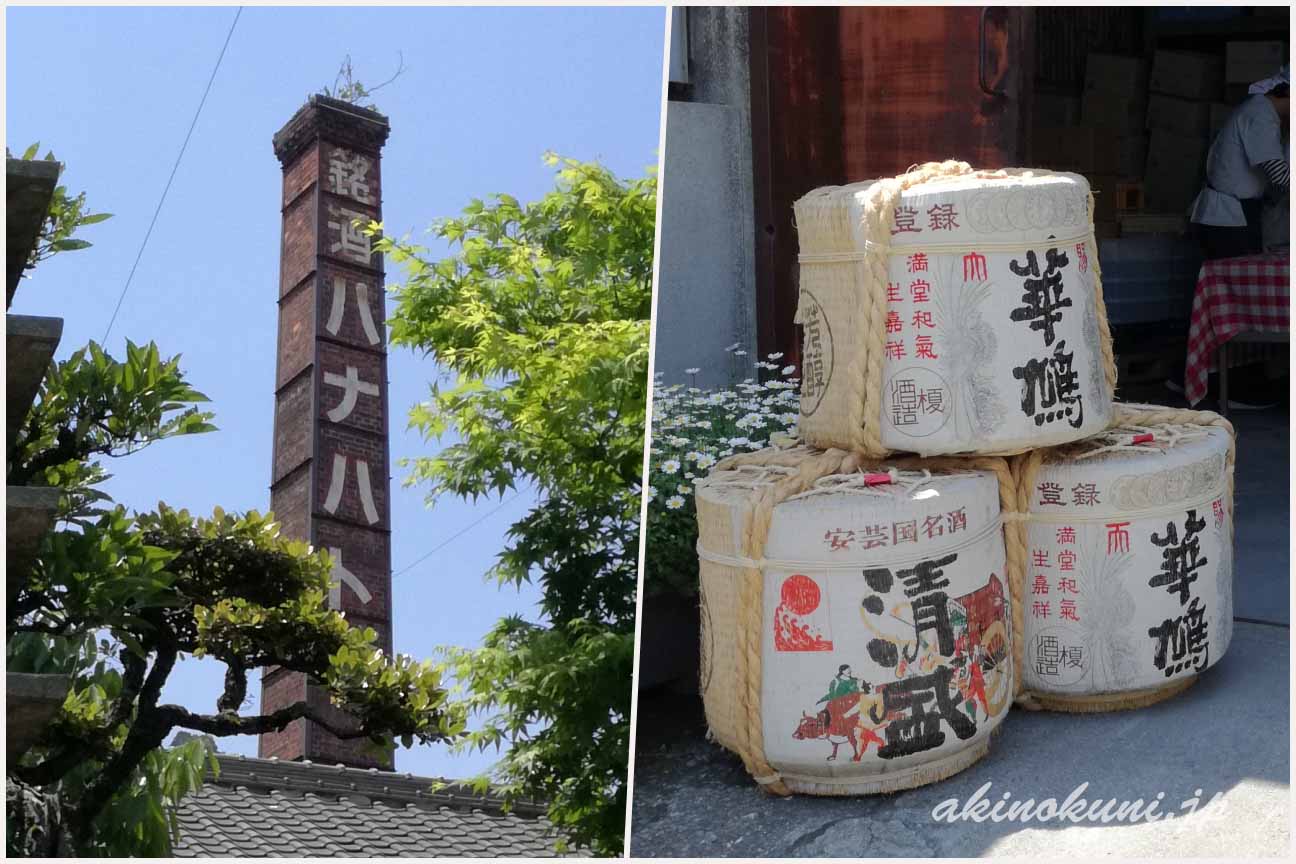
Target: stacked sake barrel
1128, 589
867, 613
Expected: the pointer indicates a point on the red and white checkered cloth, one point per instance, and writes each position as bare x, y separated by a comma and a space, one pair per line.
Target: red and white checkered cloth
1234, 295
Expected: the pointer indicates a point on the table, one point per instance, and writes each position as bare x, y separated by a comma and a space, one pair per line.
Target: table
1245, 299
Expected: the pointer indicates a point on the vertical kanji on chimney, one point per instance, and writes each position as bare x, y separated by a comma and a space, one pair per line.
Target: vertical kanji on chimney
329, 479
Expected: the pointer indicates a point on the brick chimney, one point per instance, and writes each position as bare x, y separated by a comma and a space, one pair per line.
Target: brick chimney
329, 478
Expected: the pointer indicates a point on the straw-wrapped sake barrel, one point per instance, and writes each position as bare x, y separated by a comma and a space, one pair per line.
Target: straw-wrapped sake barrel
1128, 589
963, 314
865, 644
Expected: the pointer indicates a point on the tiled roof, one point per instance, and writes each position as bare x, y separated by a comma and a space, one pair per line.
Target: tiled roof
264, 807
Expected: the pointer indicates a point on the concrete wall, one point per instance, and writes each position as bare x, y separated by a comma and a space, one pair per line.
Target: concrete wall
706, 296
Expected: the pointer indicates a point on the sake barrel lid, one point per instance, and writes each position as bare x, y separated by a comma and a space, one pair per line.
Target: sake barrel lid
1133, 468
878, 516
1018, 207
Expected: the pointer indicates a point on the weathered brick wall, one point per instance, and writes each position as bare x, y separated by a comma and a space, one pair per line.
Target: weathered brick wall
297, 255
296, 333
329, 478
279, 689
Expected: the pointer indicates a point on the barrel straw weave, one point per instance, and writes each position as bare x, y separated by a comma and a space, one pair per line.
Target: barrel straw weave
824, 231
1024, 469
734, 605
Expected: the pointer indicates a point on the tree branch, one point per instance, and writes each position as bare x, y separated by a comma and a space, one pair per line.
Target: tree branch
66, 450
63, 629
97, 745
235, 687
132, 682
147, 733
232, 724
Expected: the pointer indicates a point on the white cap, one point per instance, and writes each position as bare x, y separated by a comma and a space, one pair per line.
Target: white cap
1267, 84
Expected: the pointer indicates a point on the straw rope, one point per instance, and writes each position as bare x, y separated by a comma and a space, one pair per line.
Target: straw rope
830, 247
1099, 702
805, 467
1100, 306
920, 775
865, 373
1027, 466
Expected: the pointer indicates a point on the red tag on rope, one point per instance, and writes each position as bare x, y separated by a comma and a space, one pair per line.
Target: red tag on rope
1145, 438
876, 479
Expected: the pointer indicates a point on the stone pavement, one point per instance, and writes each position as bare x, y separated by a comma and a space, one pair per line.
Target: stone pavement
1227, 734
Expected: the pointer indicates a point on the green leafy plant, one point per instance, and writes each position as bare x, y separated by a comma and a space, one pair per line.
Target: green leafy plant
157, 587
67, 213
114, 600
541, 315
692, 429
348, 89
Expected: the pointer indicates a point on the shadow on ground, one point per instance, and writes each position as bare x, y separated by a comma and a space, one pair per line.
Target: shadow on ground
1227, 734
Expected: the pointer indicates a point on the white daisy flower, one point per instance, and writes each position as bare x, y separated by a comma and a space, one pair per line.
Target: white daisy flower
670, 466
788, 370
674, 502
706, 460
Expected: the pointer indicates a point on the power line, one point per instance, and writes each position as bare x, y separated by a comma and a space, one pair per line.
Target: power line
456, 535
174, 168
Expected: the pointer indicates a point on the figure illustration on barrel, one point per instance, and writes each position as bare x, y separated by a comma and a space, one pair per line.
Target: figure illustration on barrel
959, 678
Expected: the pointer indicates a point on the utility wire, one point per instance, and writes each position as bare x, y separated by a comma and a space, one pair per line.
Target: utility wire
457, 535
174, 168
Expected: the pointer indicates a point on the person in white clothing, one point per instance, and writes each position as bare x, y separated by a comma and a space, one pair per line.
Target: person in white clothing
1246, 164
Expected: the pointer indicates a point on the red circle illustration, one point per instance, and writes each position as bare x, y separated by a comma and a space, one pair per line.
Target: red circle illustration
800, 594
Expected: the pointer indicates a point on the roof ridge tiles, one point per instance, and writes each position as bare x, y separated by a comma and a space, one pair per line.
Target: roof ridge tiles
263, 775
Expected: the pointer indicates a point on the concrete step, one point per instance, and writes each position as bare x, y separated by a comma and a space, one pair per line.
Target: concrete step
30, 702
29, 513
29, 186
29, 347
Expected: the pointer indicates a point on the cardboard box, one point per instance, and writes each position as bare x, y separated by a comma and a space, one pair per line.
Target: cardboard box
1189, 75
1183, 116
1219, 114
1127, 155
1129, 197
1115, 73
1107, 229
1048, 148
1104, 192
1052, 109
1117, 112
1175, 170
1248, 62
1086, 151
1152, 223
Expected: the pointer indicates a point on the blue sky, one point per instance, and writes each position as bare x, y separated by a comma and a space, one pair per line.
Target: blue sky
484, 94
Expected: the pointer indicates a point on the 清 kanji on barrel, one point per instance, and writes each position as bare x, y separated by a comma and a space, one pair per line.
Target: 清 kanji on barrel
857, 630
